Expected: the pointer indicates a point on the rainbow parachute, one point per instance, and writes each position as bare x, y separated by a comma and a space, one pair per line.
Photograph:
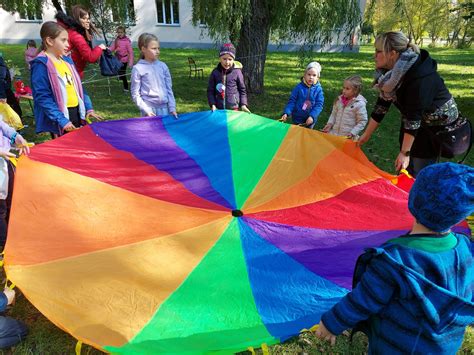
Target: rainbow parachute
215, 232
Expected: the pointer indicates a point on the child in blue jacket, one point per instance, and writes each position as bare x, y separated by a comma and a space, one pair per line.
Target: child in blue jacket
307, 98
415, 293
60, 102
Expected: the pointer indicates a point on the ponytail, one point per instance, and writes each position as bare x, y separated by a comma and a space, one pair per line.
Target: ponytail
394, 41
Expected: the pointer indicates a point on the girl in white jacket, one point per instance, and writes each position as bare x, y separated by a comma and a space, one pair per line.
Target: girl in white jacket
349, 114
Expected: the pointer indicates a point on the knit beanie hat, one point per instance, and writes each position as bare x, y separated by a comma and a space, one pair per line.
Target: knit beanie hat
316, 66
442, 195
227, 48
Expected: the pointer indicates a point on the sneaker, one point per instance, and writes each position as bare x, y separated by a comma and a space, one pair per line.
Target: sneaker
126, 90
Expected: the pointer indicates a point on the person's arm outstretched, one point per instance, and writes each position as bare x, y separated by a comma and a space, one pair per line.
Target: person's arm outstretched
88, 54
317, 107
371, 294
360, 119
290, 105
135, 83
211, 88
169, 91
242, 92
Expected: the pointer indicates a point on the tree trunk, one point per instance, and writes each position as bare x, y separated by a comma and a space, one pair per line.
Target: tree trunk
253, 43
57, 5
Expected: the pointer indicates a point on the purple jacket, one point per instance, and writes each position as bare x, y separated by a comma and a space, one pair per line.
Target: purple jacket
7, 133
235, 92
151, 86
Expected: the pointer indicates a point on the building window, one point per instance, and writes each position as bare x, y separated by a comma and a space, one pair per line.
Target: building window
31, 12
167, 12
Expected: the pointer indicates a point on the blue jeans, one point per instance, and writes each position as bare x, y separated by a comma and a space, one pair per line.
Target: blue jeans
159, 111
12, 332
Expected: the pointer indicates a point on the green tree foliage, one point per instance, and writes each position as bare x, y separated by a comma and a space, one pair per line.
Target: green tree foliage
106, 14
448, 19
250, 23
22, 6
461, 15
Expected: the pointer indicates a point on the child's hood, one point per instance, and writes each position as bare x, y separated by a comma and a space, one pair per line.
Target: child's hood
147, 63
43, 59
358, 98
40, 58
440, 306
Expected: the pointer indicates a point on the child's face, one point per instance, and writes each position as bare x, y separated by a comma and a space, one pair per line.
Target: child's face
348, 90
226, 61
311, 76
120, 33
152, 51
59, 45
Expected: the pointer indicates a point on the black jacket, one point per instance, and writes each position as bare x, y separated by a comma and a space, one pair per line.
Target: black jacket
6, 91
5, 79
422, 91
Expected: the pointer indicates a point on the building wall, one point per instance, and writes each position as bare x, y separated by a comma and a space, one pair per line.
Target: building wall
184, 35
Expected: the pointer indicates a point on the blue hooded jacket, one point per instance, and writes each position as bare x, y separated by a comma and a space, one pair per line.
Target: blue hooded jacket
298, 96
410, 300
48, 116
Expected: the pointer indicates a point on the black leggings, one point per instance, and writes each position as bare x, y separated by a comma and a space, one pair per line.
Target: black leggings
122, 76
74, 116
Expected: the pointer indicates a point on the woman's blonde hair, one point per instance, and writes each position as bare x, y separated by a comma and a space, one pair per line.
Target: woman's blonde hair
144, 40
356, 83
394, 41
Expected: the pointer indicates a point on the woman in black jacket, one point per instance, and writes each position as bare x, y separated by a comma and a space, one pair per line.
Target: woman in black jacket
408, 77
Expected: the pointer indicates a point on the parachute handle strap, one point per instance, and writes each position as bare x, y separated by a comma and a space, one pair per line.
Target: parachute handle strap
265, 350
78, 347
12, 285
404, 172
312, 329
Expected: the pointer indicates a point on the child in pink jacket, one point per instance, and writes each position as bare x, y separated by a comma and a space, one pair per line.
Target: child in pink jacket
30, 52
124, 52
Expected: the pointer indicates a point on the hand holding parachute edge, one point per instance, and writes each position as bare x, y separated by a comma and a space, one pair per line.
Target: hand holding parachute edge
322, 333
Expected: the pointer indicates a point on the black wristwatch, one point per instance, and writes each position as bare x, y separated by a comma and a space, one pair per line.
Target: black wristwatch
406, 153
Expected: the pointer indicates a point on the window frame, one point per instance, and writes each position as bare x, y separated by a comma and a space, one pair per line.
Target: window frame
171, 15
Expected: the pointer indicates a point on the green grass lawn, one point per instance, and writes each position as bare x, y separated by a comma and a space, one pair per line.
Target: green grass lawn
282, 74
